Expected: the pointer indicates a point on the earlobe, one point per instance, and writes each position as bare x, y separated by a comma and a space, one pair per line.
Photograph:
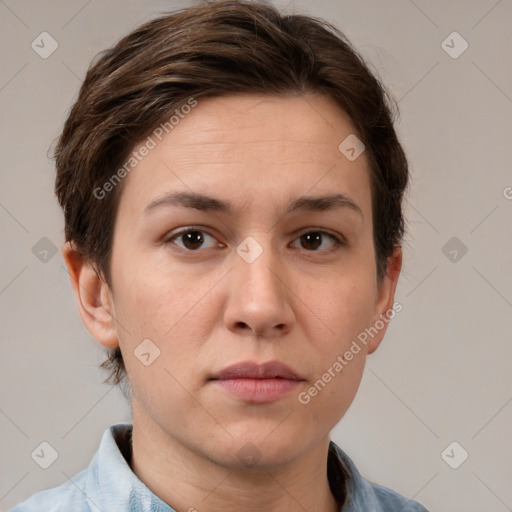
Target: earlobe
93, 296
384, 309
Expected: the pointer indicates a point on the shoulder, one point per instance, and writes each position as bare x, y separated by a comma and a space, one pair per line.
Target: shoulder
107, 484
80, 493
361, 494
65, 497
392, 501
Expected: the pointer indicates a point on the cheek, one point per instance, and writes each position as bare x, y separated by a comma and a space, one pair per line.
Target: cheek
170, 309
345, 309
335, 383
155, 301
169, 313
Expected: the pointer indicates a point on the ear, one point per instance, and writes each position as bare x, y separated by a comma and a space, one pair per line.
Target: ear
93, 297
384, 309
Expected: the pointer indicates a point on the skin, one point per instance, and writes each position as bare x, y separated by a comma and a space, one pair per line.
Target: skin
205, 309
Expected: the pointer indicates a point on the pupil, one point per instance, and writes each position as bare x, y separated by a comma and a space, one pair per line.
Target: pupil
193, 239
315, 238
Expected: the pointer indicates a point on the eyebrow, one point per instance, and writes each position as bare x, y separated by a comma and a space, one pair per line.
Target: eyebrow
206, 203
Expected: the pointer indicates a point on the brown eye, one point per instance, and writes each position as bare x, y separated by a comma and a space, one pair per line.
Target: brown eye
192, 239
313, 240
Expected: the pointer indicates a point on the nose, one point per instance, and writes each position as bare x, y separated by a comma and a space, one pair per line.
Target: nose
259, 295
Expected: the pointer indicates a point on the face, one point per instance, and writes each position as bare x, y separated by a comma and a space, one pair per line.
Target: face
255, 274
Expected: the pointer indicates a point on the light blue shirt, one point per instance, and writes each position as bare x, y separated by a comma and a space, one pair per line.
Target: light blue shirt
109, 485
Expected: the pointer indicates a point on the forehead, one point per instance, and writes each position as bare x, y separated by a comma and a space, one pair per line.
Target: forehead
297, 124
250, 148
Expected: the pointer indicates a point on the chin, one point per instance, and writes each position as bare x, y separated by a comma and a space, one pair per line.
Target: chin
260, 450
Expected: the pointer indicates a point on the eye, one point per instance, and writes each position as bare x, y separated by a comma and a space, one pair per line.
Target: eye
314, 239
192, 239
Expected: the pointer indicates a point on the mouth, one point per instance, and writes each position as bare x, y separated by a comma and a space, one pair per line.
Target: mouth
257, 383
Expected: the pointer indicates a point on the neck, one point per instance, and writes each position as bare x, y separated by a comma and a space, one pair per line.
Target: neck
188, 481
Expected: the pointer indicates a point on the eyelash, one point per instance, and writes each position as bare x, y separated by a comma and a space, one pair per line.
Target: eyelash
338, 241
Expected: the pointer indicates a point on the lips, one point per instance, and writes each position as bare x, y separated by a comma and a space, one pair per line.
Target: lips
255, 383
251, 370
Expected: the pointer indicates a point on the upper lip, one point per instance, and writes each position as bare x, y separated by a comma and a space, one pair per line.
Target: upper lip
252, 370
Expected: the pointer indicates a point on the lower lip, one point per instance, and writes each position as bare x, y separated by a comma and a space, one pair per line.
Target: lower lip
258, 390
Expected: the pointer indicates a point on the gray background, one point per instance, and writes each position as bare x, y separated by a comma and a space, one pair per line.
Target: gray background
443, 372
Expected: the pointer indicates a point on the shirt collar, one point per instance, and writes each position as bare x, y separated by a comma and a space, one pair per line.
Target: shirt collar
344, 478
112, 485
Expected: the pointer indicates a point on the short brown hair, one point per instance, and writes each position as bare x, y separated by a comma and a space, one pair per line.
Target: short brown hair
215, 49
